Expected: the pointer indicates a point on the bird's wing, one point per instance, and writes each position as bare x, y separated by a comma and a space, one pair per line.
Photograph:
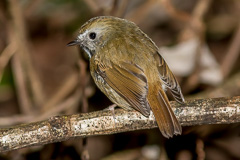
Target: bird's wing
129, 81
168, 78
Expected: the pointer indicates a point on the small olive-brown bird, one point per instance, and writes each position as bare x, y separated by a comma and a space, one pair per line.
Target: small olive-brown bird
127, 67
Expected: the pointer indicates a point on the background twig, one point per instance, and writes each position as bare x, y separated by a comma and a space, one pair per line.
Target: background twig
232, 54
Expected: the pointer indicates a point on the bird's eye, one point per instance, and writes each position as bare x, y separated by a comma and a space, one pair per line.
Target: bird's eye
92, 35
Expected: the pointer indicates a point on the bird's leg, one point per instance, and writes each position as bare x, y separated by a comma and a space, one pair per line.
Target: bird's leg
111, 108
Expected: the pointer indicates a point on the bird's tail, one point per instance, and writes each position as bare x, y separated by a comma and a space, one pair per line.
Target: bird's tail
166, 120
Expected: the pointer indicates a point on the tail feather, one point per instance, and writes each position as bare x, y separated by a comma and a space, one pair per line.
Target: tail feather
166, 120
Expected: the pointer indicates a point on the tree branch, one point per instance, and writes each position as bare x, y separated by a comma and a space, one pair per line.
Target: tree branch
61, 128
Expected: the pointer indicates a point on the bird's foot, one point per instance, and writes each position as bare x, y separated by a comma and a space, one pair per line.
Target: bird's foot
110, 108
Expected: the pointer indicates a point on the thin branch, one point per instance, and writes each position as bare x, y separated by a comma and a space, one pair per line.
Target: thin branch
61, 128
94, 7
15, 119
66, 88
139, 13
23, 49
232, 55
32, 7
175, 13
195, 27
83, 82
55, 110
5, 57
195, 30
231, 87
119, 8
84, 101
21, 86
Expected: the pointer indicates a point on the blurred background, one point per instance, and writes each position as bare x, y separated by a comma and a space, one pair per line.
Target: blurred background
41, 77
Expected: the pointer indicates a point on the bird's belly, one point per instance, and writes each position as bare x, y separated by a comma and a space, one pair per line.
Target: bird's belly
110, 93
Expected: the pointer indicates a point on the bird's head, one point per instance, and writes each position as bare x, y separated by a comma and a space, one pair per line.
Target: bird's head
98, 31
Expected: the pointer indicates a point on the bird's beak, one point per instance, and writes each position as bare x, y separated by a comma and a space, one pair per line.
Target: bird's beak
73, 43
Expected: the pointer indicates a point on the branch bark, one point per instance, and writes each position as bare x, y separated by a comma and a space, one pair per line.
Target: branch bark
61, 128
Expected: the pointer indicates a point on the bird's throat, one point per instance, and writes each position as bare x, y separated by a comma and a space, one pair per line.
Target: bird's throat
89, 52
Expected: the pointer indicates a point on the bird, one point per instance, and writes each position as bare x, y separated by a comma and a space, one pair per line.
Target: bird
127, 67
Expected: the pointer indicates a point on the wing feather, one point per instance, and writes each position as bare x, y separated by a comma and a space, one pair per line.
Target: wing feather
168, 78
129, 81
